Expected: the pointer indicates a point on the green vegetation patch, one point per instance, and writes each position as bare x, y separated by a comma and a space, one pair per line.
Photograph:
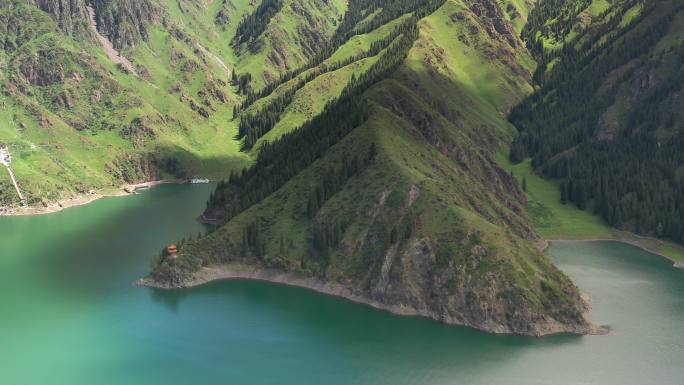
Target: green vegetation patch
553, 219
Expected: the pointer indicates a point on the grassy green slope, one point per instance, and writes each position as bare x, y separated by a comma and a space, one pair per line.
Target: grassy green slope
551, 218
554, 220
92, 125
312, 98
96, 126
293, 36
99, 126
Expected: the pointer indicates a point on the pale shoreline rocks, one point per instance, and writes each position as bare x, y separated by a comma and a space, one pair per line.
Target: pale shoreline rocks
237, 271
83, 199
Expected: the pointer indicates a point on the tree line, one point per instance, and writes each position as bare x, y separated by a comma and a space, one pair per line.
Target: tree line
335, 178
256, 22
631, 177
255, 124
357, 10
280, 160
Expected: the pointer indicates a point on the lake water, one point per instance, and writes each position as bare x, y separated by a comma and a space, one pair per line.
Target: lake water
69, 314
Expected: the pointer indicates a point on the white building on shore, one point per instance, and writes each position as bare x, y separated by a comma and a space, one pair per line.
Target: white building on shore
6, 159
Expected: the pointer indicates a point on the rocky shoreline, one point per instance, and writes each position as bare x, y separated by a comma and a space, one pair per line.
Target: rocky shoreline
84, 199
238, 270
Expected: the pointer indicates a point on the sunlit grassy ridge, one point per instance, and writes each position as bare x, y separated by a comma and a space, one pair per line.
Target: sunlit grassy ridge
172, 119
482, 89
291, 38
97, 126
175, 125
313, 97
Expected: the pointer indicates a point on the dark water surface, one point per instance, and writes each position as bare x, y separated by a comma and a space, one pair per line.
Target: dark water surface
70, 315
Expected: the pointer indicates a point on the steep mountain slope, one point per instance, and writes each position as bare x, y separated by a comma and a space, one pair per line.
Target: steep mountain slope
607, 118
385, 189
101, 93
77, 121
71, 16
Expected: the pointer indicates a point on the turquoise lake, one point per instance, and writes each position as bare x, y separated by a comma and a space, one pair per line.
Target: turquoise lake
69, 314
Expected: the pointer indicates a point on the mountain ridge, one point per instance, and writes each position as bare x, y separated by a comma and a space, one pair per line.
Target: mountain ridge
404, 204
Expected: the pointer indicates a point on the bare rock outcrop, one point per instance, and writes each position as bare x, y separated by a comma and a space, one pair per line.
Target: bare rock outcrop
70, 15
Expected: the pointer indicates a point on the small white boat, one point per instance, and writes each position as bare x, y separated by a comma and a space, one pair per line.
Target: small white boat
199, 181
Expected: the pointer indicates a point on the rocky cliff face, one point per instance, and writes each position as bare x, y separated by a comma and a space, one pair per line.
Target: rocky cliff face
70, 15
125, 22
492, 18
